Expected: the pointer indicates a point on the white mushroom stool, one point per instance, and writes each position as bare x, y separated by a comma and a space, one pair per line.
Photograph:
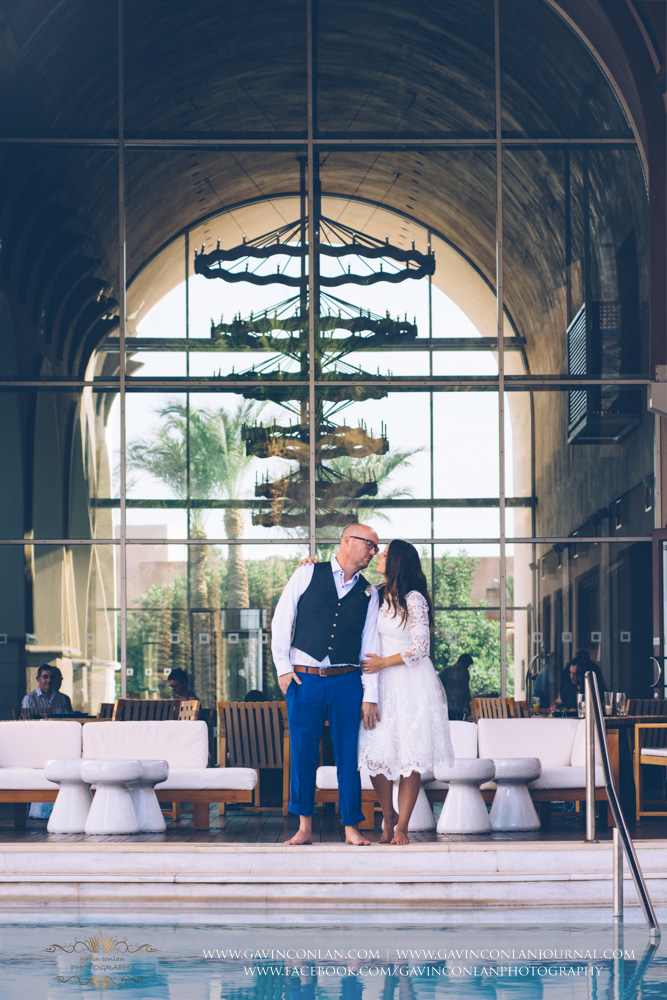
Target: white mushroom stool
513, 807
142, 792
112, 811
464, 810
71, 807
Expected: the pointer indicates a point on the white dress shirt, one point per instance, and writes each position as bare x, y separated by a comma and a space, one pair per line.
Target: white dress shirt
282, 626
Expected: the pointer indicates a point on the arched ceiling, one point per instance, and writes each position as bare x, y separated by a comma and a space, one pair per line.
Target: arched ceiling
204, 70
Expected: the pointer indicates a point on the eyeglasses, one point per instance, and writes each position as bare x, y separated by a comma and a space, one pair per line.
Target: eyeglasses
371, 546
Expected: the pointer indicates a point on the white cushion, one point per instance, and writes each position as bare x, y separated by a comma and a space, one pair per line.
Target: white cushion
464, 738
209, 777
551, 740
566, 777
517, 769
327, 777
551, 777
31, 744
26, 778
579, 746
472, 770
181, 744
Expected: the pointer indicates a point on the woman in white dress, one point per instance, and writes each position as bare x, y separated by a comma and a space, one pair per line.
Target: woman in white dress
412, 735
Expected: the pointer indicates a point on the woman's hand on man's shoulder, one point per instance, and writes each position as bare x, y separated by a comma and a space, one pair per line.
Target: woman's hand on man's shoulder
307, 561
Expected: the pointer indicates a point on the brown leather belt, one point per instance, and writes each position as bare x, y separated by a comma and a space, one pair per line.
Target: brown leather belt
323, 671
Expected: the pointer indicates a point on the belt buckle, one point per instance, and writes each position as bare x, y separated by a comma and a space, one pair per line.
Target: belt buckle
321, 669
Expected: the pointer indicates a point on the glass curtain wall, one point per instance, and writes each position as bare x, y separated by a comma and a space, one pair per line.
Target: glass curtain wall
417, 300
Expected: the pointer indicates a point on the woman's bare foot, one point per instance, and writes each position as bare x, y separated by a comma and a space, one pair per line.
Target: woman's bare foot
400, 837
388, 829
352, 836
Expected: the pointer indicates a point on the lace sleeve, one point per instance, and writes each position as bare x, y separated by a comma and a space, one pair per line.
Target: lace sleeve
420, 634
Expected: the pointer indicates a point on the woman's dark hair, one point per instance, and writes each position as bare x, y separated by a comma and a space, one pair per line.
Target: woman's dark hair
404, 573
178, 674
255, 695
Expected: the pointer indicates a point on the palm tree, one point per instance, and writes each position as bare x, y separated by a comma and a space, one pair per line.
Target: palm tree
199, 454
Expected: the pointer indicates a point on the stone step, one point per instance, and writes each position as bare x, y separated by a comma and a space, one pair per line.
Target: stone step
453, 874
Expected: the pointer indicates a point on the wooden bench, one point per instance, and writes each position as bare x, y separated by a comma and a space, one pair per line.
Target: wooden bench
145, 710
255, 734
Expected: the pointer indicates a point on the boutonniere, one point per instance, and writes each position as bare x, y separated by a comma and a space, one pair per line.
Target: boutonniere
368, 591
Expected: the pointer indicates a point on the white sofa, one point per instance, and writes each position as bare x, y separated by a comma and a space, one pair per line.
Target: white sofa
184, 745
25, 748
559, 744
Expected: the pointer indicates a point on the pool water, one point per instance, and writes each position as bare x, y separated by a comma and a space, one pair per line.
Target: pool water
510, 957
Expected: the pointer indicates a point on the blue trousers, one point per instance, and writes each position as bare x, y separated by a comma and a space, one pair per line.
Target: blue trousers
309, 705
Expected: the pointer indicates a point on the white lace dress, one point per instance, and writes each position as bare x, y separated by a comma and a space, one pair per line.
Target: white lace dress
413, 732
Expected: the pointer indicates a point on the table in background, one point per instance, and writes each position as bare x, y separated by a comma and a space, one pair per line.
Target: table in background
625, 726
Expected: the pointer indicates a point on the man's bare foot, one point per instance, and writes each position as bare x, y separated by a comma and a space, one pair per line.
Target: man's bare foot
388, 829
400, 837
352, 836
300, 837
304, 835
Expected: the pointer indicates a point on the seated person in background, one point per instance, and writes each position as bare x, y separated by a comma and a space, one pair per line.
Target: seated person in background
545, 684
456, 682
574, 683
46, 699
255, 695
180, 688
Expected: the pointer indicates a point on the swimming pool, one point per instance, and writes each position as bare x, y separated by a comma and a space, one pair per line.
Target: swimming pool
406, 957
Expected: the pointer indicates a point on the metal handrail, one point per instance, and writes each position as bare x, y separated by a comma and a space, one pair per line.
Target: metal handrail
621, 833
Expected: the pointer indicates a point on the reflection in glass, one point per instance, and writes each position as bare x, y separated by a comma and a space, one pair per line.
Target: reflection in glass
177, 314
58, 606
202, 452
576, 262
551, 84
61, 485
445, 46
594, 483
64, 70
467, 520
247, 327
205, 609
370, 465
476, 633
231, 71
467, 433
60, 230
452, 192
466, 596
583, 596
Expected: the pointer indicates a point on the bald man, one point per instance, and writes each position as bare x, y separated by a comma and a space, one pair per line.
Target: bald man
324, 625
